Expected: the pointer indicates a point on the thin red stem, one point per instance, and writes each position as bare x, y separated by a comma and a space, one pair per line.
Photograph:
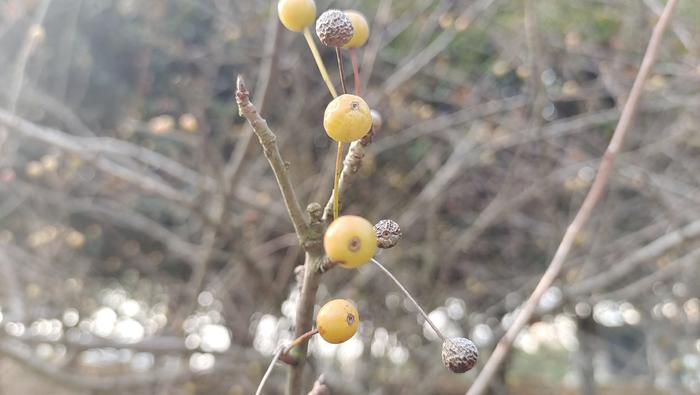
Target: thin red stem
341, 69
355, 71
300, 339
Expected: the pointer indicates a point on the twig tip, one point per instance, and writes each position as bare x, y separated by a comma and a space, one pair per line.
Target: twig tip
242, 94
240, 85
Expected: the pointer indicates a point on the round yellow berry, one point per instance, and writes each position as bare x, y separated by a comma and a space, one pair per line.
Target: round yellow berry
347, 118
337, 321
360, 29
295, 15
350, 241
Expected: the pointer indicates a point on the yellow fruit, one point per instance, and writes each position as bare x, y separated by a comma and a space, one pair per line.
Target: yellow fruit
360, 29
296, 15
350, 241
337, 321
347, 118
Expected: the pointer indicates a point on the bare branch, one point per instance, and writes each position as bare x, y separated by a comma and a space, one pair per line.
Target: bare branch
58, 139
26, 357
419, 61
11, 283
320, 387
351, 165
33, 37
650, 251
632, 290
268, 141
503, 347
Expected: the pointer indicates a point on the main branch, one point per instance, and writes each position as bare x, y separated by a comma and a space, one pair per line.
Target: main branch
584, 214
303, 319
309, 233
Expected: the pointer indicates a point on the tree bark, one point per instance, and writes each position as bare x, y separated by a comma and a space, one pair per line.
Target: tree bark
304, 319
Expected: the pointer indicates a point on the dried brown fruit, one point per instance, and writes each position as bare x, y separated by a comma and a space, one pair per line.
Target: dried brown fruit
459, 354
334, 28
388, 233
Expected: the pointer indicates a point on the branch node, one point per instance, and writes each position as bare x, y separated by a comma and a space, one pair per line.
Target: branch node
315, 212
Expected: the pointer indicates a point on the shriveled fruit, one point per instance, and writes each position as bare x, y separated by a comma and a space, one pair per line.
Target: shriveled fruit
334, 28
459, 354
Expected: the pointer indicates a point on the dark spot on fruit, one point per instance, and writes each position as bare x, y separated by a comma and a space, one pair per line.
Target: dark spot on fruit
354, 244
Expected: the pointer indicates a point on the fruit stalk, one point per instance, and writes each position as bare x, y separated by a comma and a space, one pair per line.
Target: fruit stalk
283, 351
341, 68
408, 294
269, 371
319, 62
355, 70
339, 152
300, 339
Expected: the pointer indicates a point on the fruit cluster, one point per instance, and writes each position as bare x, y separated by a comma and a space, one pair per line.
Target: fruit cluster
351, 241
